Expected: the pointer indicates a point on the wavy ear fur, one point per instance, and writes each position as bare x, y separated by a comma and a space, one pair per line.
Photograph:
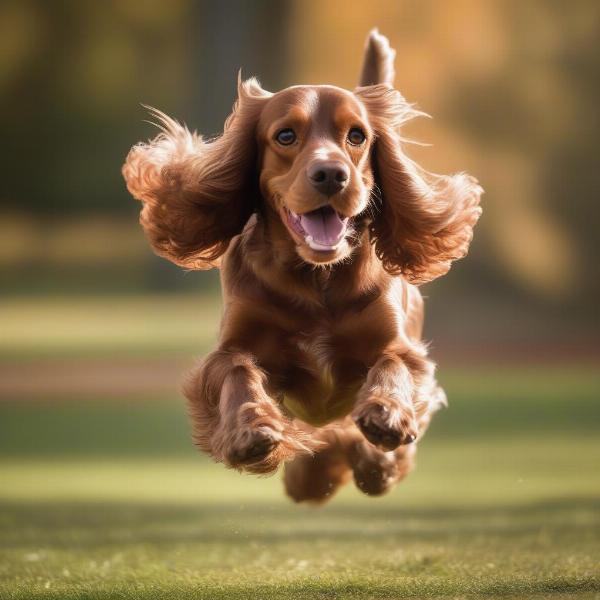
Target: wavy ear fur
197, 194
424, 221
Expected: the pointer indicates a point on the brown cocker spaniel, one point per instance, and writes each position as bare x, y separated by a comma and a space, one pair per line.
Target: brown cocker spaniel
323, 228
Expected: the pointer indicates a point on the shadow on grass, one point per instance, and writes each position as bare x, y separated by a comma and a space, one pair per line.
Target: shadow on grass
435, 552
92, 525
347, 588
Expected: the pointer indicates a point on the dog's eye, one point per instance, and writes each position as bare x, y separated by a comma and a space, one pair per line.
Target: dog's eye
356, 136
285, 137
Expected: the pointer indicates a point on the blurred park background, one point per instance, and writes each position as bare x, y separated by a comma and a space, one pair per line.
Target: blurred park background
96, 332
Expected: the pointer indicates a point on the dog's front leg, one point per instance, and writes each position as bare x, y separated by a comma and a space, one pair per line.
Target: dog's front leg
385, 408
235, 420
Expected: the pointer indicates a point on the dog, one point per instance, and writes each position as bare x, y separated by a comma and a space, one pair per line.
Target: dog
322, 229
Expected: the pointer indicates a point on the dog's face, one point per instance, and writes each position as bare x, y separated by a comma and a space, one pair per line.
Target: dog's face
315, 166
317, 153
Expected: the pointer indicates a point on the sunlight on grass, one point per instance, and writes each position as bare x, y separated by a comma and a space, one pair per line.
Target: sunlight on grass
103, 499
475, 472
478, 519
108, 326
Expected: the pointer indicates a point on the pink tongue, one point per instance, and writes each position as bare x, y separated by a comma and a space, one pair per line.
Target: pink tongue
323, 225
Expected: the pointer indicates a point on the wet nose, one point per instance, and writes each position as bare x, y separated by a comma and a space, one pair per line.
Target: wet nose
328, 177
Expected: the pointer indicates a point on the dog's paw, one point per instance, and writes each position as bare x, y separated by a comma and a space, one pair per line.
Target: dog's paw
385, 426
251, 448
376, 472
257, 438
375, 475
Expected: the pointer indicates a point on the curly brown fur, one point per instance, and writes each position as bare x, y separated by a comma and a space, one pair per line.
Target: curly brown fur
197, 194
321, 226
235, 420
423, 221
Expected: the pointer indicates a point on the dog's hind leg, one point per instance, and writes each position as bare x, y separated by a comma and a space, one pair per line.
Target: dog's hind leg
345, 453
315, 478
376, 471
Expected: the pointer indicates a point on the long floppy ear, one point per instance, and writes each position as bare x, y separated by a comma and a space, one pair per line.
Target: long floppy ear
423, 221
197, 194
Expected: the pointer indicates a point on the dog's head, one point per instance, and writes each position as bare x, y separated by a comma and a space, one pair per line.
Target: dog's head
320, 158
314, 145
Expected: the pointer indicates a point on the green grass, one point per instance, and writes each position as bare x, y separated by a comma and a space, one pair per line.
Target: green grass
108, 500
107, 326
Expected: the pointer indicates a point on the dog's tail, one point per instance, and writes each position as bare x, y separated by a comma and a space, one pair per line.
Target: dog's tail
378, 62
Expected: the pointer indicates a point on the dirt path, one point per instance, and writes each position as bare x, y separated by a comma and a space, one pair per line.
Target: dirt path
162, 376
98, 377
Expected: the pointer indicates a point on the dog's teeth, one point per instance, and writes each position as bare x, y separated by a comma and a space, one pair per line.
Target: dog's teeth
316, 246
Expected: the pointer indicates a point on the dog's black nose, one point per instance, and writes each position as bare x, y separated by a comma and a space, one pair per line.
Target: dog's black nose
328, 177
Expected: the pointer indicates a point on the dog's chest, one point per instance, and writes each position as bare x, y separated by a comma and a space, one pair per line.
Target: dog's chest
317, 351
330, 358
327, 390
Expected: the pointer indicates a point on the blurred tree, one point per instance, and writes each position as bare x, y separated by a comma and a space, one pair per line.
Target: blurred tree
227, 37
514, 88
78, 71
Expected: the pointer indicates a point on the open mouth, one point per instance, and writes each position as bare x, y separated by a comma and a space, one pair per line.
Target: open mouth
322, 229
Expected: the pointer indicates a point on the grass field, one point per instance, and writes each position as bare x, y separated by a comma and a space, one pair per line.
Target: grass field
107, 499
99, 326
